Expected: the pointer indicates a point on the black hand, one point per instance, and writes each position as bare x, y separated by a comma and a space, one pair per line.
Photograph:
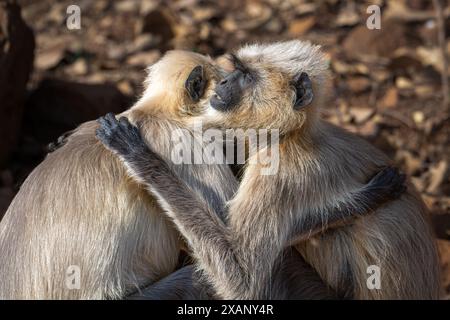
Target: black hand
389, 183
119, 136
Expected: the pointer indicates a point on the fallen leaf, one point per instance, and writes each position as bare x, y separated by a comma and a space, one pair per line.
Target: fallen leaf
431, 57
79, 68
348, 16
403, 83
301, 26
410, 163
438, 173
144, 58
418, 117
390, 99
361, 115
358, 84
49, 59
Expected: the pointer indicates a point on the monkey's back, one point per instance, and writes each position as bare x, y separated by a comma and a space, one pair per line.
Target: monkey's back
79, 208
397, 238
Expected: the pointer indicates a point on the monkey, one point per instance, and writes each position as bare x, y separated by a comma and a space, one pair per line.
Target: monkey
79, 212
79, 208
283, 86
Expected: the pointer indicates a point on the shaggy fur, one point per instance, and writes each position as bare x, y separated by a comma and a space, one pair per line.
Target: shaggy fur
79, 206
321, 167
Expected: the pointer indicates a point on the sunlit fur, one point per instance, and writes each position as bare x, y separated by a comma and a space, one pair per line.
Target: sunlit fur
319, 165
80, 207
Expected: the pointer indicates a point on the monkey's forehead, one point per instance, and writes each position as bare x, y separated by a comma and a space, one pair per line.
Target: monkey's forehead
291, 57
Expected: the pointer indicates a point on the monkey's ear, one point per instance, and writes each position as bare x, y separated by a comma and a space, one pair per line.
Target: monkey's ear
195, 84
303, 91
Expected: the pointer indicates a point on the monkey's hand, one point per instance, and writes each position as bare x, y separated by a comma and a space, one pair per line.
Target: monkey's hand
388, 184
385, 186
62, 140
120, 136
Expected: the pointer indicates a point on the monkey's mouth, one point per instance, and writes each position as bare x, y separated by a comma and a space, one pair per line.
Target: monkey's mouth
218, 103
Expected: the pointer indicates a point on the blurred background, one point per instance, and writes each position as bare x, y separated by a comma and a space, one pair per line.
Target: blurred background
390, 85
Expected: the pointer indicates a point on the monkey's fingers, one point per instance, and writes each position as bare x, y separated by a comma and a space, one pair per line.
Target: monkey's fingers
124, 122
401, 190
400, 187
103, 136
130, 131
111, 118
384, 177
108, 121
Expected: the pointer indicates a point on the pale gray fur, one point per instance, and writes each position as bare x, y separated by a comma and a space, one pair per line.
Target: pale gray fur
79, 206
320, 165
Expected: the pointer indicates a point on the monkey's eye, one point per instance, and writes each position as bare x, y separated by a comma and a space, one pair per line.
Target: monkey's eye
196, 83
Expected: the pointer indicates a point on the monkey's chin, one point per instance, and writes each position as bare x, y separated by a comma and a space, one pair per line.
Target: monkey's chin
211, 112
218, 104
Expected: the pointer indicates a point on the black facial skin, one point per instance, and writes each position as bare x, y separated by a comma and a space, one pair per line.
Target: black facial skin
231, 88
195, 84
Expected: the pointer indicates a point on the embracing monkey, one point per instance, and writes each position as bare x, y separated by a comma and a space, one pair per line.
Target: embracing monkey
80, 212
79, 209
320, 183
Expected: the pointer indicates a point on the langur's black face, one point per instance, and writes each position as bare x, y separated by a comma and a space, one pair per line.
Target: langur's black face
229, 92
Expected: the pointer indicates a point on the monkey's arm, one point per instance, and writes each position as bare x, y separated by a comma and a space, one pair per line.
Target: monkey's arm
182, 284
387, 185
293, 278
239, 262
205, 232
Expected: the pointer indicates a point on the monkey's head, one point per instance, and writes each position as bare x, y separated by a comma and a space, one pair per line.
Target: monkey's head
275, 86
181, 83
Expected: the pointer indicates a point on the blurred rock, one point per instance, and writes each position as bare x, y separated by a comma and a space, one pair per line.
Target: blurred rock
16, 63
57, 106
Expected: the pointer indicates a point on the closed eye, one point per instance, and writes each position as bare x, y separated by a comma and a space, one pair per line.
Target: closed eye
238, 64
